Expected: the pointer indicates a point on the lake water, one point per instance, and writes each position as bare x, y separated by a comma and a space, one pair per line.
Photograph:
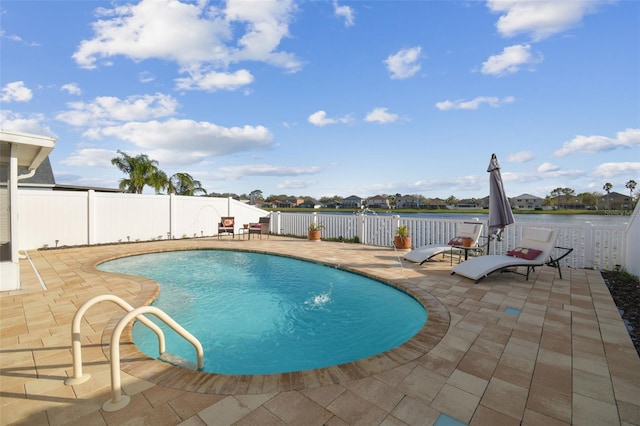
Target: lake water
577, 219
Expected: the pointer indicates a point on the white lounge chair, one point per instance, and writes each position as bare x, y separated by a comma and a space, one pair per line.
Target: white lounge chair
468, 232
535, 249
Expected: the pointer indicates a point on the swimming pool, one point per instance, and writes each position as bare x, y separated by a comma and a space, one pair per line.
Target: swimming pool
262, 314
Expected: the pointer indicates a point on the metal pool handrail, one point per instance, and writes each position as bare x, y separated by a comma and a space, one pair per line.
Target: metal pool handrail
117, 400
76, 344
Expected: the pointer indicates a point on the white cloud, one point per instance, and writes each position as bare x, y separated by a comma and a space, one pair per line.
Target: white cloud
91, 157
72, 89
146, 77
319, 118
381, 115
236, 172
216, 37
607, 170
213, 81
592, 144
296, 184
344, 12
547, 167
16, 92
404, 63
109, 109
186, 141
510, 60
520, 157
540, 19
32, 124
474, 103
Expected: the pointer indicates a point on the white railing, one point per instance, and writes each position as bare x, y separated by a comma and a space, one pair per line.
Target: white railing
594, 246
117, 400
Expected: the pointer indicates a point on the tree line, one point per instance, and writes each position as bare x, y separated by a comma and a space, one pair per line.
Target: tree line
142, 171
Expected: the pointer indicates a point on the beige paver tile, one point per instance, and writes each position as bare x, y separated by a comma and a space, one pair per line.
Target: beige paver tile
456, 403
589, 411
550, 403
506, 398
323, 395
414, 412
468, 382
533, 418
486, 417
355, 410
593, 386
376, 392
260, 416
295, 408
422, 384
224, 412
478, 364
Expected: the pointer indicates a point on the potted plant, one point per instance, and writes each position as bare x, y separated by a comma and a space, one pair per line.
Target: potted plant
402, 239
314, 231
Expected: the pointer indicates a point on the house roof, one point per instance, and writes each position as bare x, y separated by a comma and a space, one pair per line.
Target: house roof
42, 178
30, 150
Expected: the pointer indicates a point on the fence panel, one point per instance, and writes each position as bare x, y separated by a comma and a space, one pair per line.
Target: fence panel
51, 218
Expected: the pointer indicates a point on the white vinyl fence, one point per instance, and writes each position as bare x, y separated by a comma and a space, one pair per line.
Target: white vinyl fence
602, 247
69, 218
72, 218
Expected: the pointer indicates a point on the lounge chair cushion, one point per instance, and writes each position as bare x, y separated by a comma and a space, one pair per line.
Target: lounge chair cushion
228, 222
461, 241
524, 253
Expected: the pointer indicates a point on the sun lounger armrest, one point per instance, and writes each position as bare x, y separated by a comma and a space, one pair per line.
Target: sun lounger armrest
555, 263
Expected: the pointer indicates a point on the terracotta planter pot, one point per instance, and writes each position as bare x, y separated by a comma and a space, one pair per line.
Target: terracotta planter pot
314, 235
402, 243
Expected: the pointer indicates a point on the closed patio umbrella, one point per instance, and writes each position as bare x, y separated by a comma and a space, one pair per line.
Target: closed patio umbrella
500, 214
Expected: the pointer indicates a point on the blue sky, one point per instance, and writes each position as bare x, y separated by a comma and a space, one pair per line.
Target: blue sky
327, 98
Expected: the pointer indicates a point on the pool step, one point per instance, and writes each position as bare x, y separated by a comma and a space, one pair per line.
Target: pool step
177, 361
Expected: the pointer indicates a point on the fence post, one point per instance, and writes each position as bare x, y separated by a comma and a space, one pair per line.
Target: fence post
91, 220
172, 215
589, 246
360, 229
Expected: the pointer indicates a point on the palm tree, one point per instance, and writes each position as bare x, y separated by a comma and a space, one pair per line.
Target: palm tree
631, 185
184, 184
607, 187
141, 170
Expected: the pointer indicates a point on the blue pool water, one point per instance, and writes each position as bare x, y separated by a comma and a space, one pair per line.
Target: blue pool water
262, 314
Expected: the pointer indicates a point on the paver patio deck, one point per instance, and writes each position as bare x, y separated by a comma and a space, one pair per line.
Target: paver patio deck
559, 355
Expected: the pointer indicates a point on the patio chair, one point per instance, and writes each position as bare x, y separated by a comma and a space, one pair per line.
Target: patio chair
261, 228
226, 226
466, 240
535, 249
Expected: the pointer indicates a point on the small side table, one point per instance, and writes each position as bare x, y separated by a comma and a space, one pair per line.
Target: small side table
466, 251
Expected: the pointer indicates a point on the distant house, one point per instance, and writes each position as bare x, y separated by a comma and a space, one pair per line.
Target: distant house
352, 202
526, 202
333, 204
469, 203
378, 202
408, 202
615, 201
435, 203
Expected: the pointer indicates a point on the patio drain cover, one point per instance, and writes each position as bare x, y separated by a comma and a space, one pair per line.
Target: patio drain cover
444, 420
512, 311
